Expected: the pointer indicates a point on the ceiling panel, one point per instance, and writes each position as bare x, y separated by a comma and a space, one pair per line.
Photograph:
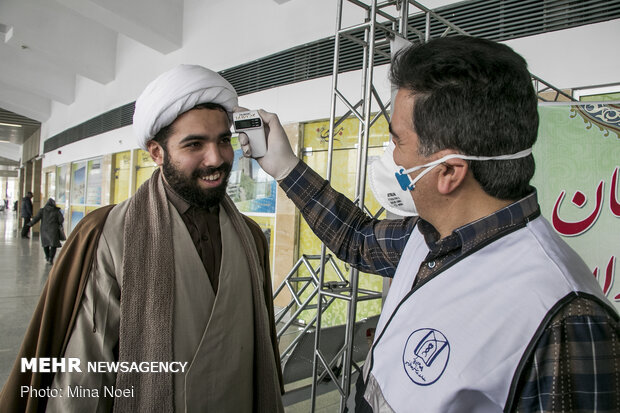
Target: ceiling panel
16, 128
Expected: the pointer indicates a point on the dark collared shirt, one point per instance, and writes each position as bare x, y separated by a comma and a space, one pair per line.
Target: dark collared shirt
575, 365
203, 226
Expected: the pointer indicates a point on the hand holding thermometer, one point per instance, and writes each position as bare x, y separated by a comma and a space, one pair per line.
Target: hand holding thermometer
251, 124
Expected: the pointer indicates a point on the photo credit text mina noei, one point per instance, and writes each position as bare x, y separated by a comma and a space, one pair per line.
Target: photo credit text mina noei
72, 364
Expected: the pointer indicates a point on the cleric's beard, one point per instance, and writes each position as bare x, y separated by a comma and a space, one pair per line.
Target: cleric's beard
188, 187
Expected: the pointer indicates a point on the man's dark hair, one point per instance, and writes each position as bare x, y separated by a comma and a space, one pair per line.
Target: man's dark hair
474, 96
164, 133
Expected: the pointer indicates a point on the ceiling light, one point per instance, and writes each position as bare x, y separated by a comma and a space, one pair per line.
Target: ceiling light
13, 125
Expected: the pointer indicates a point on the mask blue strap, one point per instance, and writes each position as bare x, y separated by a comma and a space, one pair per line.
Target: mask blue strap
404, 181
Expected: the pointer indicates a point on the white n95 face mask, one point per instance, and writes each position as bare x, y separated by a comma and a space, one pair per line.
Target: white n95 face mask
392, 185
386, 188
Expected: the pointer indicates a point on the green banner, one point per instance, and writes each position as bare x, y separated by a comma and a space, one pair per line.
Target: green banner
577, 166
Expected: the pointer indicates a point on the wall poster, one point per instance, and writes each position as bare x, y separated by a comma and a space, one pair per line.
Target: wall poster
577, 176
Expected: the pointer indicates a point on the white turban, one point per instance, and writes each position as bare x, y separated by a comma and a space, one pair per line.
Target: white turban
175, 92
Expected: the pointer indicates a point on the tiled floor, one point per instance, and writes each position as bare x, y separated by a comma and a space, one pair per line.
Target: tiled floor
23, 272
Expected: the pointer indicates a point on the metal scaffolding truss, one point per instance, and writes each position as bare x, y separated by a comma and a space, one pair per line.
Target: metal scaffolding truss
380, 23
297, 286
549, 93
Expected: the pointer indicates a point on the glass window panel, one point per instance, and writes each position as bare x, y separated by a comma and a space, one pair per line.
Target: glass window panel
343, 180
93, 182
61, 184
76, 214
50, 183
78, 183
145, 167
316, 134
120, 181
250, 188
267, 224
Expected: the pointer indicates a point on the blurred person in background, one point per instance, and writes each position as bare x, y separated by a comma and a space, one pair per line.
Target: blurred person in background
26, 214
51, 228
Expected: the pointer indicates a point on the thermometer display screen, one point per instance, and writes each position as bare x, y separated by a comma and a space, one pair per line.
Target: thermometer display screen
248, 123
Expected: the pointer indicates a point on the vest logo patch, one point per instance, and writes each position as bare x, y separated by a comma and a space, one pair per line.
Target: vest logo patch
425, 356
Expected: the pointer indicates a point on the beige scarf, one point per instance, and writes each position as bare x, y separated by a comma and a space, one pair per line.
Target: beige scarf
147, 305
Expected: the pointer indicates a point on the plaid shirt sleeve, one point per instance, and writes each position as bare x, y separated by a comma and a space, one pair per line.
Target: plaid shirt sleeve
370, 245
575, 366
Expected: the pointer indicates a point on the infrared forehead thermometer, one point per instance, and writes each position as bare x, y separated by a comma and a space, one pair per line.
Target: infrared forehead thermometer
251, 124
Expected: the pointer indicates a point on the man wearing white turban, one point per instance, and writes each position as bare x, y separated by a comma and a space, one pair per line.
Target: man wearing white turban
175, 276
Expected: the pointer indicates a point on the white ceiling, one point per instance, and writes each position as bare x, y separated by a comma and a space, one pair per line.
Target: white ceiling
45, 44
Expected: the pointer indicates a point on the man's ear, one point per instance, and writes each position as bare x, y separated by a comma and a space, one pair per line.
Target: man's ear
452, 174
156, 151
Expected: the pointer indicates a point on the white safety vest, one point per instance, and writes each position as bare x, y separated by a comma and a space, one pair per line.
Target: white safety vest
454, 345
